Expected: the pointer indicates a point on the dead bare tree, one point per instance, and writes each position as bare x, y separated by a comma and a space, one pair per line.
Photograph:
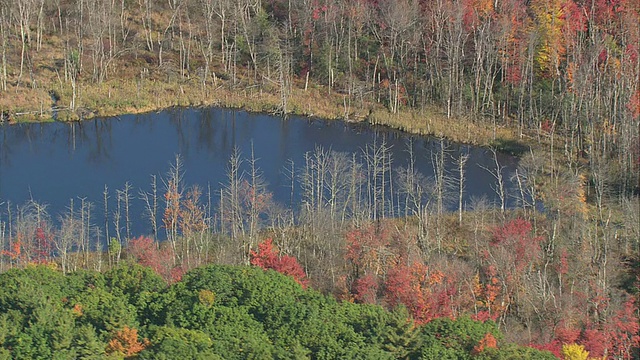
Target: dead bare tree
337, 185
377, 157
499, 186
312, 180
124, 198
196, 227
150, 200
3, 41
146, 9
193, 224
66, 239
413, 189
25, 10
257, 199
460, 162
117, 217
230, 204
172, 199
443, 184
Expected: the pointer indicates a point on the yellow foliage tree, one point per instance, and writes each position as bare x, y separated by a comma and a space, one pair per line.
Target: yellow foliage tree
574, 352
549, 21
206, 297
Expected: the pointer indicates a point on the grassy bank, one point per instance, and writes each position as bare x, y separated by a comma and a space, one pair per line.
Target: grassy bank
128, 96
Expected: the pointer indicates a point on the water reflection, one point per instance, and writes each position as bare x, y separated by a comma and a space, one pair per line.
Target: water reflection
55, 162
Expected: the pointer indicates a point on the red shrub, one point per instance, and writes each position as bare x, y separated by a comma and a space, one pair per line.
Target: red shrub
268, 258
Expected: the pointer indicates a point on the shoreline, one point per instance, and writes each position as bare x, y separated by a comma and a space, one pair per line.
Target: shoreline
120, 97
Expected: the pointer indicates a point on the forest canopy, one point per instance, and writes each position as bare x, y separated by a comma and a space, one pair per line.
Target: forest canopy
217, 312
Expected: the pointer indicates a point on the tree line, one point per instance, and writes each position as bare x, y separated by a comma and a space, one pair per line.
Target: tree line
218, 312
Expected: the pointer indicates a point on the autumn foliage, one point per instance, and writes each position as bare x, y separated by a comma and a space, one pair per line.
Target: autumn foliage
126, 343
487, 342
423, 291
487, 294
32, 247
616, 338
267, 257
159, 258
557, 77
516, 239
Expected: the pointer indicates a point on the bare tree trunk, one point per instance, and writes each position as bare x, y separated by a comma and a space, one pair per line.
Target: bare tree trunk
462, 160
284, 77
3, 37
231, 207
3, 241
40, 25
127, 198
499, 187
378, 162
146, 23
151, 205
116, 219
24, 19
440, 190
173, 196
257, 195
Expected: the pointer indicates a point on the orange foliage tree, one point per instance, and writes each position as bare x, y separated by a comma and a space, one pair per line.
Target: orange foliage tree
126, 343
425, 293
487, 342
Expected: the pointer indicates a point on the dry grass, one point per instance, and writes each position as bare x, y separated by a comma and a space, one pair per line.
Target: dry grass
26, 104
432, 122
129, 92
118, 96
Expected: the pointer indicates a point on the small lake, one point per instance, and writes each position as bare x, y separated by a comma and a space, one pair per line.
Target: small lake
53, 163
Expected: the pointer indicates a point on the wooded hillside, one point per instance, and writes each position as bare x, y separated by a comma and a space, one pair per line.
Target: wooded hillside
218, 312
560, 268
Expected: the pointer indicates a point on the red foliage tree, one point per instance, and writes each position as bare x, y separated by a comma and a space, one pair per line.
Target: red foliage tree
515, 235
267, 257
372, 251
147, 252
405, 285
15, 252
512, 20
42, 245
33, 246
515, 253
615, 338
369, 249
425, 294
624, 331
634, 100
595, 342
365, 289
567, 335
